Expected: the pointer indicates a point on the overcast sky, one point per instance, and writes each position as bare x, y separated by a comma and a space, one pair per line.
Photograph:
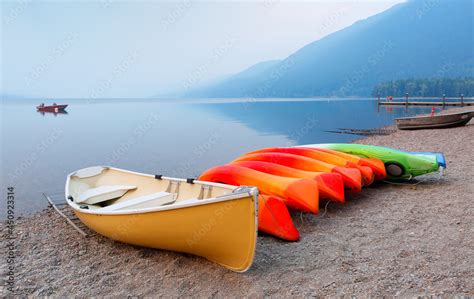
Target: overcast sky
126, 49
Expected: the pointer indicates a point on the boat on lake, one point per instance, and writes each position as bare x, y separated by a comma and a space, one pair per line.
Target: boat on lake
437, 121
211, 220
51, 108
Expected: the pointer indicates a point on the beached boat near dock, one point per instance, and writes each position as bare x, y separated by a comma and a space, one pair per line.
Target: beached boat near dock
211, 220
436, 121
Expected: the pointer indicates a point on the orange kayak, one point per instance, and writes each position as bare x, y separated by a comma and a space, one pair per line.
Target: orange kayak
300, 194
330, 185
366, 172
375, 164
274, 218
351, 177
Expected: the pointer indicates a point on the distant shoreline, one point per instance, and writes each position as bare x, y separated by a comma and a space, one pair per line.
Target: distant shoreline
226, 100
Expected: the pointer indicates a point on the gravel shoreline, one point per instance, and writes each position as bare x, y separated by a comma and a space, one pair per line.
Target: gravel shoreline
390, 240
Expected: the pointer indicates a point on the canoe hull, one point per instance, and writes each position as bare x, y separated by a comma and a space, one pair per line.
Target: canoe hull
434, 122
221, 228
202, 230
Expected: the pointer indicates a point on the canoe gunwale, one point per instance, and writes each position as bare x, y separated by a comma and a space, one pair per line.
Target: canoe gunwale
249, 191
198, 232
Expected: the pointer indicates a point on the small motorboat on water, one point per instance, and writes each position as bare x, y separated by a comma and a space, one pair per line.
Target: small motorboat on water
51, 108
211, 220
436, 121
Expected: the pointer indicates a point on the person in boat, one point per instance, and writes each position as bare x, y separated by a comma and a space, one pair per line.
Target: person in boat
54, 104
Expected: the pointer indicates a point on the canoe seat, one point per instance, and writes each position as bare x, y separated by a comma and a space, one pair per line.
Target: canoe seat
206, 192
145, 201
103, 193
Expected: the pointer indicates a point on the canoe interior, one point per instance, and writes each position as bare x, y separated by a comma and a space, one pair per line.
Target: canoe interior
220, 225
145, 185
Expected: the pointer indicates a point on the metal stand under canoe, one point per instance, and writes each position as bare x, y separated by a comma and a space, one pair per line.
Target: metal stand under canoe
56, 201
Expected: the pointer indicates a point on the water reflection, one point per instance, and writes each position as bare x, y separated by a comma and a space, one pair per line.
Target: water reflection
60, 112
309, 121
169, 137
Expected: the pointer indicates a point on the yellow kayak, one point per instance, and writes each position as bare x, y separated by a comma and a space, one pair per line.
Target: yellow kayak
211, 220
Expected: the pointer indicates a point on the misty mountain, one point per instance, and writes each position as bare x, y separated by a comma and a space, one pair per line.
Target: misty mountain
233, 84
415, 39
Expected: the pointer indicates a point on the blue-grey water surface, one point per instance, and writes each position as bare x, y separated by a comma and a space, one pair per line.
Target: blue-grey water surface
178, 138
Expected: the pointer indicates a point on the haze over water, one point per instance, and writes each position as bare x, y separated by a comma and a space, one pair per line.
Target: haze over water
179, 138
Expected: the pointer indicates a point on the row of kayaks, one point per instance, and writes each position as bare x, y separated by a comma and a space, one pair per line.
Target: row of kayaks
217, 215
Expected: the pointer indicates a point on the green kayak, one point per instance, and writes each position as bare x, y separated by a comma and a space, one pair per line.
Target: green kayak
398, 164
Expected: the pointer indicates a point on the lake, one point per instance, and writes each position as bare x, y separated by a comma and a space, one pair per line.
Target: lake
173, 137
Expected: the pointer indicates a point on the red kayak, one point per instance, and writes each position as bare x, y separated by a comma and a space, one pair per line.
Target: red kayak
366, 172
300, 194
51, 108
331, 185
351, 177
274, 218
377, 166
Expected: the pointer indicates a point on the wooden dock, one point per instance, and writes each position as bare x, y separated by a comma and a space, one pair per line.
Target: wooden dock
398, 103
431, 101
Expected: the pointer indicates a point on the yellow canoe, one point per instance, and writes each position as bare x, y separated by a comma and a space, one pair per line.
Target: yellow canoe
211, 220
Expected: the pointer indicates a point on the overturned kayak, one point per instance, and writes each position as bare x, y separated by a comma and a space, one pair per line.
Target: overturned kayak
351, 177
377, 165
275, 219
367, 173
299, 194
330, 185
214, 221
398, 164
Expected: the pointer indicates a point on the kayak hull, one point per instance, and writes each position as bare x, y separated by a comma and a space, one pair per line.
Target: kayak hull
398, 164
299, 194
367, 174
351, 177
330, 185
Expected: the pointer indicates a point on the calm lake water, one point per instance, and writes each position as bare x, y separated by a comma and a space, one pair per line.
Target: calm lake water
173, 137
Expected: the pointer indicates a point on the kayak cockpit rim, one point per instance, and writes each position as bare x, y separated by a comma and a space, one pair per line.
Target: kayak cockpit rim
236, 193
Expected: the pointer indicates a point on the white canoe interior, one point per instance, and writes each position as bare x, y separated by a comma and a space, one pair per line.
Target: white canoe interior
108, 190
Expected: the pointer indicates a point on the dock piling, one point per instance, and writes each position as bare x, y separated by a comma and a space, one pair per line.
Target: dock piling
426, 101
